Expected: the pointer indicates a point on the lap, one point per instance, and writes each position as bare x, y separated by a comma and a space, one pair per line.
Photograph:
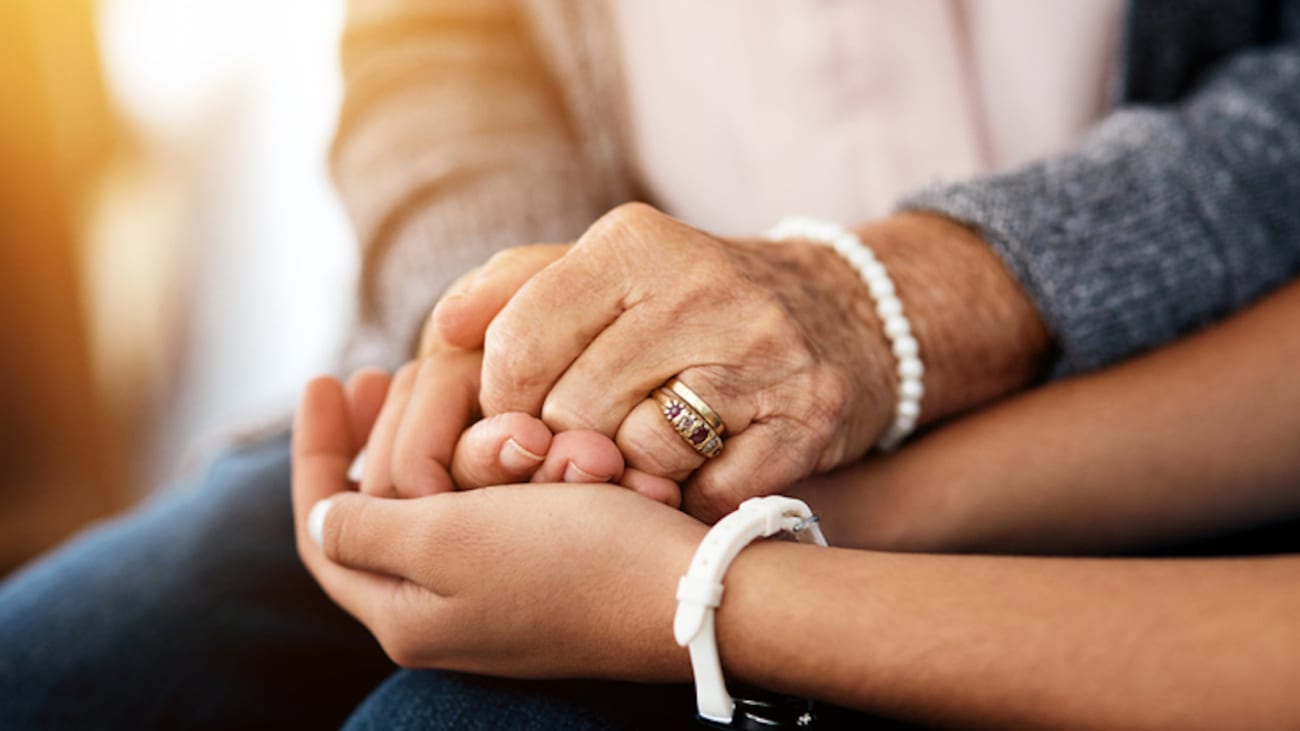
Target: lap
192, 611
432, 699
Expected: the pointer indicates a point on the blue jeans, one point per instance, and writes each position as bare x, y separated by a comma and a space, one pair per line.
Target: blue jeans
193, 612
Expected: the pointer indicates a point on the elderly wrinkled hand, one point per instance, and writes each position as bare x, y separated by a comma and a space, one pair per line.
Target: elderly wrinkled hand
776, 338
659, 343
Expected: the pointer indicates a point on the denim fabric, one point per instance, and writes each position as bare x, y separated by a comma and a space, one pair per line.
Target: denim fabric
436, 701
193, 612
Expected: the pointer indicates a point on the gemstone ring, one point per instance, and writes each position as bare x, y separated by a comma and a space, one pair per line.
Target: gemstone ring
695, 428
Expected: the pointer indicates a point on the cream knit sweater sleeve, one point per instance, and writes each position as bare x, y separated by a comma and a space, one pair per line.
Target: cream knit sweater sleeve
453, 143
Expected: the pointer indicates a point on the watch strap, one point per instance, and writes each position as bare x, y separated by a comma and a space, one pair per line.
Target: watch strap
700, 591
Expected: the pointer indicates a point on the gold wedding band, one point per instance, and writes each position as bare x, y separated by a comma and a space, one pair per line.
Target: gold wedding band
695, 402
693, 427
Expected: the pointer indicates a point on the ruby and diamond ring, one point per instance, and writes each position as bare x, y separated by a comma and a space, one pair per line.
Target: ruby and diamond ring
697, 424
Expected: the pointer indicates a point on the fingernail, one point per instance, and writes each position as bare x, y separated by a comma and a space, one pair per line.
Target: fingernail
574, 473
517, 459
358, 467
316, 520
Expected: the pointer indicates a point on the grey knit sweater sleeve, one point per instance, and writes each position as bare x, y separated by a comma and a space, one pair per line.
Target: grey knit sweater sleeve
1164, 219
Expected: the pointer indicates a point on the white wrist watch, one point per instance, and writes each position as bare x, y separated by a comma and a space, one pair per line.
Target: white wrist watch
700, 591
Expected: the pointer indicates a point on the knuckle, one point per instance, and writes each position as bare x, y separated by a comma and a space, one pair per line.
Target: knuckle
619, 227
509, 354
560, 414
625, 215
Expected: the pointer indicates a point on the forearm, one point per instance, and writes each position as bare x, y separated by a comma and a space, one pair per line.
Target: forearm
996, 642
1163, 219
1194, 438
979, 333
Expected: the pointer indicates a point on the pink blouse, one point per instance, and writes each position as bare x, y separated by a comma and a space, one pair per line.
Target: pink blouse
744, 111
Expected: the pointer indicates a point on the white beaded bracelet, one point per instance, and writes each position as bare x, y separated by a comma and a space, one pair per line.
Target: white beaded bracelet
898, 330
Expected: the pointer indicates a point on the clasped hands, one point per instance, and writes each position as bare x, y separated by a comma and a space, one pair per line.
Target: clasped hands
536, 368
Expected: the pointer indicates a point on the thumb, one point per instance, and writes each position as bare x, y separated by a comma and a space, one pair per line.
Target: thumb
373, 534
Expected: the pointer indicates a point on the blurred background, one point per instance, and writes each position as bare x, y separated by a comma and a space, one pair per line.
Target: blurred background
173, 261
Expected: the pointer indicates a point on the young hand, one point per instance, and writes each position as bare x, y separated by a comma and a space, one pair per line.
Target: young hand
528, 580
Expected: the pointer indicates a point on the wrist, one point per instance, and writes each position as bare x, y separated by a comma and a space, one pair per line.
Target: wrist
758, 624
641, 630
700, 591
980, 336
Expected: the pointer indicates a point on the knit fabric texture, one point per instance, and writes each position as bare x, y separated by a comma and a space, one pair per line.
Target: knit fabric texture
473, 125
1182, 206
467, 127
